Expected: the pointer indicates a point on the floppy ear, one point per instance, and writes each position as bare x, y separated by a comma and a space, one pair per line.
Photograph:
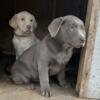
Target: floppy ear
55, 26
13, 22
34, 23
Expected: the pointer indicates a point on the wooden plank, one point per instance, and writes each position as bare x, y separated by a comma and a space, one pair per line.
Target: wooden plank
81, 68
87, 52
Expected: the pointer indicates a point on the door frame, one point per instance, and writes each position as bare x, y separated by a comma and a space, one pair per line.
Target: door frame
93, 10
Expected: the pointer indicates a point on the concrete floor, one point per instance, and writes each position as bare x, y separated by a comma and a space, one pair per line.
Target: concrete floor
9, 91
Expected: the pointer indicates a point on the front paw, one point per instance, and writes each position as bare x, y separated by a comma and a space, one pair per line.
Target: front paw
30, 86
45, 93
64, 84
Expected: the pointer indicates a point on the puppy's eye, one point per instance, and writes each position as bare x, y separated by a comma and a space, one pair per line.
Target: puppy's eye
31, 20
23, 19
72, 27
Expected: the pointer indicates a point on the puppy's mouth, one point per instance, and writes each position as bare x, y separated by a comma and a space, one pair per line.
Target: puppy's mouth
71, 44
28, 31
81, 45
75, 46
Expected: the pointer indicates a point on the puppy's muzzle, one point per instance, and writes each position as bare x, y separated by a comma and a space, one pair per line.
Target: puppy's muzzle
29, 27
82, 41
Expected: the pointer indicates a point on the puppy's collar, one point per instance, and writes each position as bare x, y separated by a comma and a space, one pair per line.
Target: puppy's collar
26, 35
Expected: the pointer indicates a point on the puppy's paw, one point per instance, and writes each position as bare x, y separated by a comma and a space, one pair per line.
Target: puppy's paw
64, 84
45, 93
29, 86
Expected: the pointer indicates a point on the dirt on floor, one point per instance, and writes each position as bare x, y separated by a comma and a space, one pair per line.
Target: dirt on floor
10, 91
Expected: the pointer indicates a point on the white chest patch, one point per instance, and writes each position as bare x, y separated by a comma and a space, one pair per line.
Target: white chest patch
23, 43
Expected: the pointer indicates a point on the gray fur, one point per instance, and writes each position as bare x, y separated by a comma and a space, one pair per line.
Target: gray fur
49, 56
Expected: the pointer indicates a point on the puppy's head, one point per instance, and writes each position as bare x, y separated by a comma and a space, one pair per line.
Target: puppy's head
69, 29
24, 22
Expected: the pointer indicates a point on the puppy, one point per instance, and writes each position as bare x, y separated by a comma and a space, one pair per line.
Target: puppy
24, 25
50, 55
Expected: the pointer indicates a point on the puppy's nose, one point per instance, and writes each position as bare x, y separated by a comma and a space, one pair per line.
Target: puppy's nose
82, 40
29, 27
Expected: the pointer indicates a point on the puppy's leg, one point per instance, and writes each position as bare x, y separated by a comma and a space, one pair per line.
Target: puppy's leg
20, 79
62, 79
44, 78
20, 75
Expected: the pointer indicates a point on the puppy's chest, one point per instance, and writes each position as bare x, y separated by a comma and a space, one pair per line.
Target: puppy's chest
64, 57
58, 63
21, 43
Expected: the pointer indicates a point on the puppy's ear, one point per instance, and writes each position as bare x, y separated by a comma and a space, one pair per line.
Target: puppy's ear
13, 22
34, 23
55, 26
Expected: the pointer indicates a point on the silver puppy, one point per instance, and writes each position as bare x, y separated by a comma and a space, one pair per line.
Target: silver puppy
49, 56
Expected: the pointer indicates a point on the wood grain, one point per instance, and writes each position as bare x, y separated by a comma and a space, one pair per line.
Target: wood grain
87, 52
